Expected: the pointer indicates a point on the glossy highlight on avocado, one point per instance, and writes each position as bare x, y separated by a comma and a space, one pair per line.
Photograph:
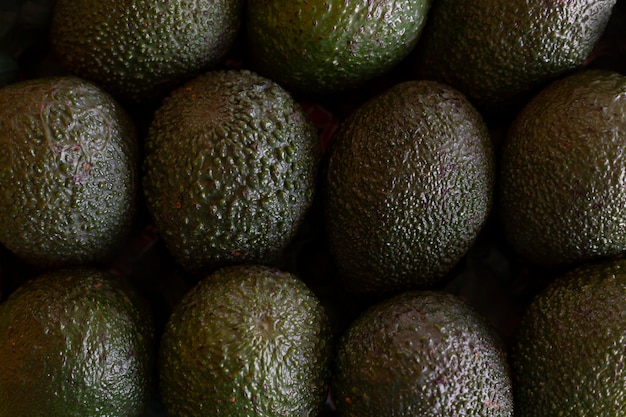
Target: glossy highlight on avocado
321, 47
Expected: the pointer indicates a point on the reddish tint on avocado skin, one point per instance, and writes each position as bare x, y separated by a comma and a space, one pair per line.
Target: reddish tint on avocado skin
68, 172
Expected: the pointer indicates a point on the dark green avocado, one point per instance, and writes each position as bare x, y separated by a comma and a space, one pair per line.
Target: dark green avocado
230, 170
140, 50
408, 187
75, 342
562, 172
319, 47
422, 353
247, 341
568, 354
68, 171
498, 52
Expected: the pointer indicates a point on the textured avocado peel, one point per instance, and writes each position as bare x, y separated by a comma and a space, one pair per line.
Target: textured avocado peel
141, 50
561, 193
76, 342
247, 340
422, 353
408, 187
230, 170
568, 354
319, 47
68, 171
500, 52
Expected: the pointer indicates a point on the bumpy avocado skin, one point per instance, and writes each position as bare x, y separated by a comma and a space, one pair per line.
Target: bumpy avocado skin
68, 171
568, 356
76, 342
499, 51
408, 186
246, 341
230, 170
140, 50
324, 47
421, 353
561, 190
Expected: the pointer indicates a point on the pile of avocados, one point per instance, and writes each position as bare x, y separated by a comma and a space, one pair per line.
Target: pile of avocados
321, 208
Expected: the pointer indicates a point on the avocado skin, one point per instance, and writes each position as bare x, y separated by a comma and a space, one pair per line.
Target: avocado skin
498, 52
247, 340
68, 171
568, 355
230, 170
421, 353
320, 48
140, 50
408, 186
76, 342
561, 190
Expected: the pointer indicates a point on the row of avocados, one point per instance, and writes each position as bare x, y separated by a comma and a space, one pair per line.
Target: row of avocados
253, 340
231, 165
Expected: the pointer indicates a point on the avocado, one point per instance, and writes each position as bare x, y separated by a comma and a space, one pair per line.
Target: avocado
561, 190
68, 171
568, 354
421, 353
407, 188
247, 340
140, 50
75, 342
319, 47
230, 170
498, 52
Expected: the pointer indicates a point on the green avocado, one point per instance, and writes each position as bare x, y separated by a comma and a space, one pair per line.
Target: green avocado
320, 47
407, 188
497, 52
246, 341
230, 170
140, 50
561, 190
75, 342
68, 171
422, 353
568, 354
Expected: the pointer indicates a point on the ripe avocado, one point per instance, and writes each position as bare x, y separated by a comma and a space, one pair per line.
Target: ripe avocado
75, 342
323, 47
562, 189
140, 50
421, 353
568, 355
230, 170
408, 187
68, 171
499, 51
247, 340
